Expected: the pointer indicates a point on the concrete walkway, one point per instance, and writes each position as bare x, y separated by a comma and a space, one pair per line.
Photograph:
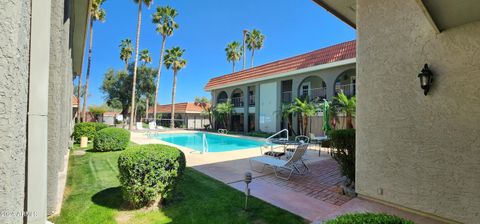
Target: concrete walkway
313, 196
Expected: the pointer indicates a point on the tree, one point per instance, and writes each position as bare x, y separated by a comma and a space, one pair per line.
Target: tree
174, 60
233, 53
204, 103
97, 111
96, 14
145, 57
116, 88
347, 107
254, 42
146, 86
222, 112
286, 112
135, 65
305, 109
164, 19
126, 51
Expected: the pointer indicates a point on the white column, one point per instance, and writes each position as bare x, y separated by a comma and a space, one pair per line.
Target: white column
36, 185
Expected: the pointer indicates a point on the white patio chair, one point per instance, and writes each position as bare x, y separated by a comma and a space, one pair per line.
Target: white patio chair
290, 165
139, 126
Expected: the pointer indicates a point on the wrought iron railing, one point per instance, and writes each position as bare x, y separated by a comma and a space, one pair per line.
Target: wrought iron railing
237, 101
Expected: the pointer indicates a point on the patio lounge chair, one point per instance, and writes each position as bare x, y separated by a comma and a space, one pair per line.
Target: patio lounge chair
290, 165
152, 126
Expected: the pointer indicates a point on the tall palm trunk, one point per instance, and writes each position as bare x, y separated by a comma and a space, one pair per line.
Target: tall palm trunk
88, 70
146, 109
305, 124
162, 51
243, 49
251, 59
79, 90
126, 66
174, 89
233, 66
134, 82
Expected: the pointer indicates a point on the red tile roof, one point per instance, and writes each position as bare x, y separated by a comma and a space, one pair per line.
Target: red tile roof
188, 107
326, 55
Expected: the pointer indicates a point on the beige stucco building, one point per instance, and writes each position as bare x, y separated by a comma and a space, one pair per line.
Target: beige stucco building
258, 93
42, 51
417, 152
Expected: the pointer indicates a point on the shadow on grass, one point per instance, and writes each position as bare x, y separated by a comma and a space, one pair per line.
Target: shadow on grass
110, 198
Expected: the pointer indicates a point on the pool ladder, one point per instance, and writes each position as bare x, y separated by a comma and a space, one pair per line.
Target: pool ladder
268, 141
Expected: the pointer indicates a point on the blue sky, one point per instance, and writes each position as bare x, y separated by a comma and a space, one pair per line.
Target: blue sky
291, 27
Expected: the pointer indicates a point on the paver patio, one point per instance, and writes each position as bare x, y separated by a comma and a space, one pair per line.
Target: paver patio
313, 196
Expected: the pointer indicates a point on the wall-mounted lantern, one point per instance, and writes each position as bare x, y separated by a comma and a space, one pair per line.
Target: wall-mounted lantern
426, 79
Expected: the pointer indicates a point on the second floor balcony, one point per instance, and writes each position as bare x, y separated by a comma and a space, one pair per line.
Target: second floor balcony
348, 89
314, 94
237, 102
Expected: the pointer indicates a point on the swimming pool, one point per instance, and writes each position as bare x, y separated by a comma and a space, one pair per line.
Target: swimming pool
216, 143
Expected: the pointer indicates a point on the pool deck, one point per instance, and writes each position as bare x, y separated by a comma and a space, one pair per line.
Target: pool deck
313, 196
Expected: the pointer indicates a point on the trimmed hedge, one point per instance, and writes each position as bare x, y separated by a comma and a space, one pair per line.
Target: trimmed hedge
111, 139
149, 173
370, 218
343, 141
87, 129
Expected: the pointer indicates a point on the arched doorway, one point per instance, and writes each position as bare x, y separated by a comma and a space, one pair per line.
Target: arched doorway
346, 82
222, 97
237, 98
313, 88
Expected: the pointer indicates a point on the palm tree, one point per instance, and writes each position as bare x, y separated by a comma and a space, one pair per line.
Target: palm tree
135, 65
204, 103
346, 106
126, 51
96, 14
145, 57
245, 31
233, 53
164, 19
305, 109
286, 112
222, 111
254, 42
174, 60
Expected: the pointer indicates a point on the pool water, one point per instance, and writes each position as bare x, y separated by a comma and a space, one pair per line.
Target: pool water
216, 143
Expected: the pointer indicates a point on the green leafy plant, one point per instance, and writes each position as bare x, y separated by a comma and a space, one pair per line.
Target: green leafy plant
173, 60
343, 141
305, 109
234, 53
347, 106
149, 173
370, 218
111, 139
222, 112
97, 111
87, 129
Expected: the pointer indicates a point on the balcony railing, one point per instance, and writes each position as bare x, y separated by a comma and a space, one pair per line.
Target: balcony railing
287, 97
314, 94
251, 100
348, 89
237, 102
222, 100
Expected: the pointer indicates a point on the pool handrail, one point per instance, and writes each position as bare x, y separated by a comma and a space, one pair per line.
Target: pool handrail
205, 143
268, 140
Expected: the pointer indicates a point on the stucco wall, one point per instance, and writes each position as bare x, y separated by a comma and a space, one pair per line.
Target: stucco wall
59, 97
423, 152
14, 70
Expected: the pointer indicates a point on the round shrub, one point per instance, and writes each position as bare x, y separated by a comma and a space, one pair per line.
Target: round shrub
371, 218
111, 139
149, 173
343, 141
87, 129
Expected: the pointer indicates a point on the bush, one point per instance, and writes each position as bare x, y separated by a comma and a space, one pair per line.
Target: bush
87, 129
370, 218
149, 172
343, 141
111, 139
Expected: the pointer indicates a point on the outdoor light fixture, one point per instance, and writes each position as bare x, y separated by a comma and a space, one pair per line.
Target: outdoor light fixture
426, 79
247, 178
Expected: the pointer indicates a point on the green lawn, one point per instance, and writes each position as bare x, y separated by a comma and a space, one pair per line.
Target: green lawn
93, 195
